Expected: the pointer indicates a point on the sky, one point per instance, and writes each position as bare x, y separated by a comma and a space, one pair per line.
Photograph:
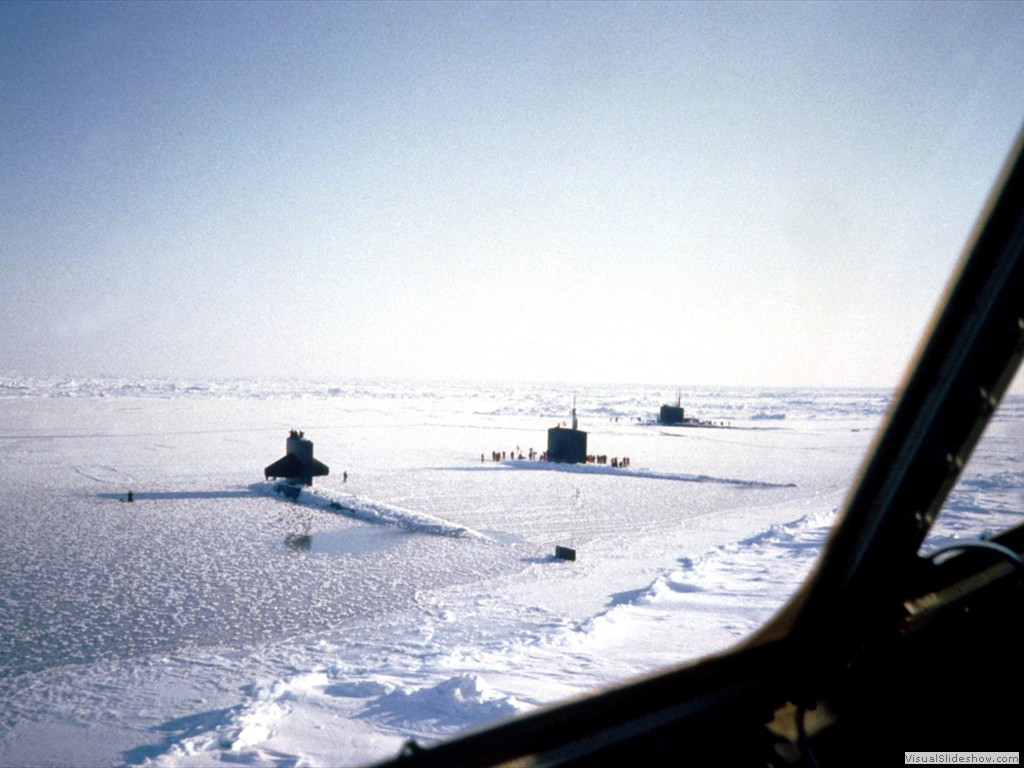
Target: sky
690, 193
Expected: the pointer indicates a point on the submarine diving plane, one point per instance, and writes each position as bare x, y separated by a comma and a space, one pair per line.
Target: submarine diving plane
298, 464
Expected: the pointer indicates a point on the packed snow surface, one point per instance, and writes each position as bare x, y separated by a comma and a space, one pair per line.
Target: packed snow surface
413, 592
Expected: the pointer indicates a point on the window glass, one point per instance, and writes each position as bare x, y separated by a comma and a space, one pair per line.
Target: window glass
415, 232
989, 495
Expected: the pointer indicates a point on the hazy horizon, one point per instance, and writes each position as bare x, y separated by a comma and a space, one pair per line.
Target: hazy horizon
701, 194
337, 382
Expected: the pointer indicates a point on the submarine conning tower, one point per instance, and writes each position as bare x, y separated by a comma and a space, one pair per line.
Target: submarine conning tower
567, 446
298, 463
673, 414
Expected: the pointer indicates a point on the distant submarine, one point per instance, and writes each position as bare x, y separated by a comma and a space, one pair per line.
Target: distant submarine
568, 446
298, 464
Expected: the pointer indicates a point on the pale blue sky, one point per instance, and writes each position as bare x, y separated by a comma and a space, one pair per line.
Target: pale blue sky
682, 193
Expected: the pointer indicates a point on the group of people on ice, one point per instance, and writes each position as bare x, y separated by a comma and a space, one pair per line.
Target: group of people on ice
603, 459
532, 455
516, 454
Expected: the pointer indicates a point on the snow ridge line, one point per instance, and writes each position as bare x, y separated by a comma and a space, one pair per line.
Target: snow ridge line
368, 511
247, 734
797, 540
602, 469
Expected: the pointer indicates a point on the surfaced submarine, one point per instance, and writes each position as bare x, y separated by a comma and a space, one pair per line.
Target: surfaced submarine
298, 464
883, 648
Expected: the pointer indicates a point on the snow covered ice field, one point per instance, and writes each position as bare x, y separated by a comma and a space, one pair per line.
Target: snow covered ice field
214, 620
